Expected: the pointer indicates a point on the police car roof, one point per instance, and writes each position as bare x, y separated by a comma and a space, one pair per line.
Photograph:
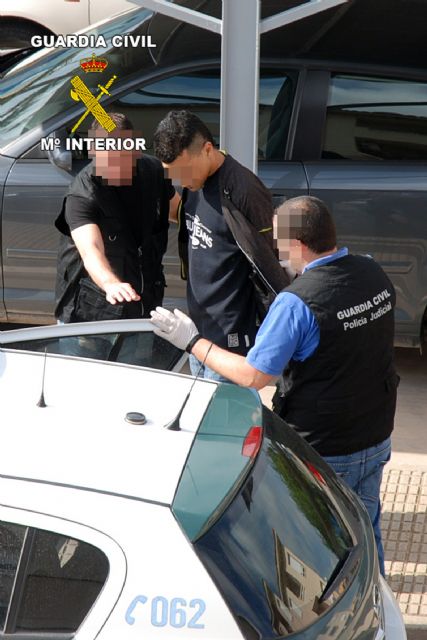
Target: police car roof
82, 439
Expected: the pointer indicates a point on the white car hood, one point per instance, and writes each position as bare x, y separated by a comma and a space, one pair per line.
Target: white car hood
81, 438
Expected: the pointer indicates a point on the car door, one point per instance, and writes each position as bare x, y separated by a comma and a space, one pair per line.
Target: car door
368, 161
125, 341
5, 166
32, 200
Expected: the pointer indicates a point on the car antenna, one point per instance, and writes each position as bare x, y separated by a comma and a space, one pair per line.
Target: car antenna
174, 425
41, 403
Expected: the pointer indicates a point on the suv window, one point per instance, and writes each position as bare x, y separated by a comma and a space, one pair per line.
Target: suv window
48, 582
199, 91
375, 119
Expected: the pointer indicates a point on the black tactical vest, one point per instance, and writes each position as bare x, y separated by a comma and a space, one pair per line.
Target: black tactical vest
78, 298
342, 398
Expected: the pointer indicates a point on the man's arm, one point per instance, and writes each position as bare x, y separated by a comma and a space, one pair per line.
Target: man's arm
289, 330
181, 331
173, 207
88, 240
230, 365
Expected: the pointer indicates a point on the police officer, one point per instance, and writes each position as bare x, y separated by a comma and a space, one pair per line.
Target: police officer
114, 226
330, 335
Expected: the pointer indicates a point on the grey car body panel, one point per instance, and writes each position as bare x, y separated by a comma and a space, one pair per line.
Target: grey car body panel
29, 238
5, 166
285, 180
379, 209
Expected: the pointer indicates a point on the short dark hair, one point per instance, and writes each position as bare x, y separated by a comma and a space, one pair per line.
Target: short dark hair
311, 223
121, 121
179, 130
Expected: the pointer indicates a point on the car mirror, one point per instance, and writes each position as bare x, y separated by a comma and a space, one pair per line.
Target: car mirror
59, 155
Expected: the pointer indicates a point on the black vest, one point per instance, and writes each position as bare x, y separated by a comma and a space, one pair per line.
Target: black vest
342, 398
78, 298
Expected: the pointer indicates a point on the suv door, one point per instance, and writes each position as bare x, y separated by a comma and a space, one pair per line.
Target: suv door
370, 166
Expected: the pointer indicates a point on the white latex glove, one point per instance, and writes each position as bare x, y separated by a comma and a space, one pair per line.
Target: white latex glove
175, 327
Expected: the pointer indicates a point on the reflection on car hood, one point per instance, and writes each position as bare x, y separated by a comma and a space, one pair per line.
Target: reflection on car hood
81, 438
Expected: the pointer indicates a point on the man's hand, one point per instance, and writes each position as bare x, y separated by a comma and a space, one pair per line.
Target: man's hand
89, 242
120, 292
175, 327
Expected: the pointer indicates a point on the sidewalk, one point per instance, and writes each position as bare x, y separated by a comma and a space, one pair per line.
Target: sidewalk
404, 529
404, 492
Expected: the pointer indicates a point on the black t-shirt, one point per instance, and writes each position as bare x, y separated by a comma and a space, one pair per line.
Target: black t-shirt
220, 295
80, 211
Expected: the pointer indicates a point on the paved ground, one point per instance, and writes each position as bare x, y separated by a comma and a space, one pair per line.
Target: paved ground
405, 496
404, 493
416, 633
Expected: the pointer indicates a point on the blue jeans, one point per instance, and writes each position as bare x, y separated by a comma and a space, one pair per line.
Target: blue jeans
205, 372
363, 471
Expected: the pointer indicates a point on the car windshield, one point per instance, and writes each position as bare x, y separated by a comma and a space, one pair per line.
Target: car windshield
39, 91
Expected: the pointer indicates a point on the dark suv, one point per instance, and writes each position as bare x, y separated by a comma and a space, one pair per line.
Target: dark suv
352, 133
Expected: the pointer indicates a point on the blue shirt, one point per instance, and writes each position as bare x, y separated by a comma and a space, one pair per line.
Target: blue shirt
289, 331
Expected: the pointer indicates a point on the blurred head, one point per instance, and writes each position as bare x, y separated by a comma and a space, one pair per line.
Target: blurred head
186, 148
116, 168
303, 229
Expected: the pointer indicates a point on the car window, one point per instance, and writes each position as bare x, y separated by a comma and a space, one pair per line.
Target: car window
199, 91
11, 540
375, 119
143, 349
48, 582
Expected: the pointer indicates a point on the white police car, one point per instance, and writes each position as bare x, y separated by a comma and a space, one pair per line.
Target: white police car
134, 505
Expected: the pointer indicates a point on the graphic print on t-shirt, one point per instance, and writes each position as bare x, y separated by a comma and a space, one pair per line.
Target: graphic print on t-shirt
200, 235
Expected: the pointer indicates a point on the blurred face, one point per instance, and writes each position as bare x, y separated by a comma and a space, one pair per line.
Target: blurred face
284, 227
192, 168
116, 168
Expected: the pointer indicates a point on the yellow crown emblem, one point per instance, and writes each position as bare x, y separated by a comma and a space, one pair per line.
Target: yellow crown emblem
93, 64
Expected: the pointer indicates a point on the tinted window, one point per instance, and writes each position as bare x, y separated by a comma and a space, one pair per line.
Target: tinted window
200, 92
49, 581
376, 119
11, 541
144, 349
276, 547
217, 462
